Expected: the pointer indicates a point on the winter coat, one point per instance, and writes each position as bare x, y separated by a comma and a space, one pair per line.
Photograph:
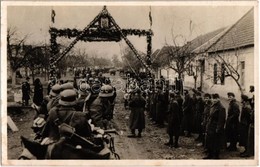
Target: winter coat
38, 94
137, 117
215, 127
26, 91
174, 120
244, 124
232, 120
199, 109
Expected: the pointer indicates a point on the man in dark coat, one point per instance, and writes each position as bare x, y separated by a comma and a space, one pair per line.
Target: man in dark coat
198, 116
26, 92
137, 118
153, 105
38, 92
187, 113
174, 122
205, 116
161, 107
244, 122
179, 100
215, 128
232, 122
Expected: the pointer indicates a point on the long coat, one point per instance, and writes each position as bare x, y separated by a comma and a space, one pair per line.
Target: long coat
26, 90
38, 94
244, 124
198, 114
174, 121
161, 107
137, 118
187, 113
232, 121
215, 127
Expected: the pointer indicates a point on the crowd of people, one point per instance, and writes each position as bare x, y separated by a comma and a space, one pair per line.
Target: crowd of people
192, 112
183, 112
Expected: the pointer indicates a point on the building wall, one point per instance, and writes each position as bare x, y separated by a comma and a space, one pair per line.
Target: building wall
246, 55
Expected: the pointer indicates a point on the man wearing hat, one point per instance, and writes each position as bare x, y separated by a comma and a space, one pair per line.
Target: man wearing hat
232, 122
215, 128
199, 109
161, 107
187, 113
174, 121
26, 92
137, 118
205, 117
244, 123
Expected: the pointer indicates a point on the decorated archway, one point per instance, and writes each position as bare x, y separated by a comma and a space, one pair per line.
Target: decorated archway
103, 28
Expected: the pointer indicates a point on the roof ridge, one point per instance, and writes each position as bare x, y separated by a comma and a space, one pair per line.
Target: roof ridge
231, 27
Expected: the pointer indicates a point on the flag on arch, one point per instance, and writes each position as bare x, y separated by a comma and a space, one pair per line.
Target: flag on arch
53, 14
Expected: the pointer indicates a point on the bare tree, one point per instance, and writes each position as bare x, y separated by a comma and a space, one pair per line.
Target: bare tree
17, 51
178, 56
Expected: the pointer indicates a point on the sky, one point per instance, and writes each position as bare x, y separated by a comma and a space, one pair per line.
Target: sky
167, 21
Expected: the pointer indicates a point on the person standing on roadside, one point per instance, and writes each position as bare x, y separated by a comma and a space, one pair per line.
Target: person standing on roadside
26, 92
137, 117
187, 113
215, 128
174, 122
244, 123
232, 122
38, 92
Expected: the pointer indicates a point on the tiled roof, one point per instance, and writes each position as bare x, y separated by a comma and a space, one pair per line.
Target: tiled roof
239, 35
195, 44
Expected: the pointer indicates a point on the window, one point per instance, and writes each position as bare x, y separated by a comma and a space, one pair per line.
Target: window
242, 73
215, 73
222, 79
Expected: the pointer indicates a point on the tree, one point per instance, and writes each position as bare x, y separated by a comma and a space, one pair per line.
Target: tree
177, 57
130, 61
17, 51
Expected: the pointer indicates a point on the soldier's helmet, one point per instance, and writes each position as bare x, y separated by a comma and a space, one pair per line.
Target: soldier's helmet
66, 86
55, 90
68, 97
106, 91
84, 88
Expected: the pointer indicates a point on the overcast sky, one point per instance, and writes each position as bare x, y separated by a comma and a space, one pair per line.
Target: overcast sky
167, 20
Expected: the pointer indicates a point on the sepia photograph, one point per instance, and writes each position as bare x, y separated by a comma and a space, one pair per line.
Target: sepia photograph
129, 83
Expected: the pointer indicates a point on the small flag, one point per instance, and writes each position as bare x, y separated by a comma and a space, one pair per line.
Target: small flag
150, 17
53, 14
190, 27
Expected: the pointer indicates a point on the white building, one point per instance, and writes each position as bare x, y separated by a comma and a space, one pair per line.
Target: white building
226, 61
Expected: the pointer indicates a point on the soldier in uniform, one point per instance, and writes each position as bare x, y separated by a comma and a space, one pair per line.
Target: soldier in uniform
215, 128
232, 122
100, 109
26, 92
